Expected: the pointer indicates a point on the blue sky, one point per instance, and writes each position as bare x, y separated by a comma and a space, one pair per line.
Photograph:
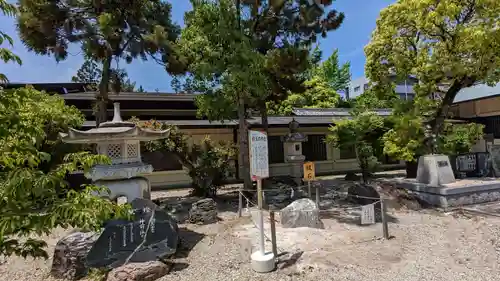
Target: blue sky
350, 39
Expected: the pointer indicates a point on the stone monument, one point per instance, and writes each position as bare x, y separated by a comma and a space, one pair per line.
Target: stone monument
293, 150
120, 141
434, 169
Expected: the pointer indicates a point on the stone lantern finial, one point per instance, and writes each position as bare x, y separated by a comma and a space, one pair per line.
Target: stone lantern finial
116, 114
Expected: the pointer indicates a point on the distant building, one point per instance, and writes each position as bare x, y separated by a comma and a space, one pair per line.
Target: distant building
403, 88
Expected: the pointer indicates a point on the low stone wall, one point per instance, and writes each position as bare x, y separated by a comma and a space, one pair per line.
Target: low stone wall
460, 193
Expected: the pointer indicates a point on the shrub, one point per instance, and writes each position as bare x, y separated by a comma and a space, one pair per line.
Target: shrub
209, 163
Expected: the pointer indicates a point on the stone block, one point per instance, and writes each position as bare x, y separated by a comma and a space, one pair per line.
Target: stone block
143, 271
301, 213
203, 212
435, 170
70, 254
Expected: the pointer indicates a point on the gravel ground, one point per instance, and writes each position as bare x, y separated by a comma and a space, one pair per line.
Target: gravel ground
426, 246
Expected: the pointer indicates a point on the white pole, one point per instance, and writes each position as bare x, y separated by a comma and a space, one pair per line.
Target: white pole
261, 218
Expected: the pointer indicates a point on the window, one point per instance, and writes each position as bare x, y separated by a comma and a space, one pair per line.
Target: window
162, 160
315, 148
365, 87
348, 152
356, 89
276, 151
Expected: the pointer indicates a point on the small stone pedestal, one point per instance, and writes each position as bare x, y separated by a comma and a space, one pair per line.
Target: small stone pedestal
435, 170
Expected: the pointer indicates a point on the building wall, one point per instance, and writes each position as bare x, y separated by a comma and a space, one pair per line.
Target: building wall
403, 89
332, 165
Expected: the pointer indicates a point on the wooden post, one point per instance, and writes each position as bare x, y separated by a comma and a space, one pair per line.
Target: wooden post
240, 202
273, 234
317, 195
383, 210
309, 189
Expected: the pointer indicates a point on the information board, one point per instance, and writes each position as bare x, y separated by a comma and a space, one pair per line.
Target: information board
259, 163
368, 214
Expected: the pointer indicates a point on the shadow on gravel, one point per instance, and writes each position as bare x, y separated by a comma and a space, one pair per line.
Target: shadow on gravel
188, 240
288, 262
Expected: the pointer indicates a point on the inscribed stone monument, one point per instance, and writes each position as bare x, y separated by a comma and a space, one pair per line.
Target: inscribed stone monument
151, 235
435, 170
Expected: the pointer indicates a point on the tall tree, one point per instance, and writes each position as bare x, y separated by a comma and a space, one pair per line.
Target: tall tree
6, 55
447, 45
105, 31
283, 31
222, 64
262, 55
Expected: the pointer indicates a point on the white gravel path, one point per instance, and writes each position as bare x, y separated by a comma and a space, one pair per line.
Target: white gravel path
427, 246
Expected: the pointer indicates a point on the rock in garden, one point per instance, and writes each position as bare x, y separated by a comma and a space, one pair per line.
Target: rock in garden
70, 253
282, 191
203, 212
351, 176
144, 271
301, 213
368, 194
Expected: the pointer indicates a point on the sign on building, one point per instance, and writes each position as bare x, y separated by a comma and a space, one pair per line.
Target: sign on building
259, 158
368, 214
309, 171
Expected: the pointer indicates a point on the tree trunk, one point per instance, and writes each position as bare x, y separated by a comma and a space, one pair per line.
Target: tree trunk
442, 111
103, 97
243, 134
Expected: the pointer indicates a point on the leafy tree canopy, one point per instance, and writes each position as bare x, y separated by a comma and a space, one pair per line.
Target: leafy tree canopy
337, 76
34, 196
90, 72
6, 55
318, 94
446, 44
363, 132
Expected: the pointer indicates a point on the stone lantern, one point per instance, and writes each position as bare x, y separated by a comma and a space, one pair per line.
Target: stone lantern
293, 150
120, 141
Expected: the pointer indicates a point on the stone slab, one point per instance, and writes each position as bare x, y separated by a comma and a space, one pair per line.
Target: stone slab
435, 170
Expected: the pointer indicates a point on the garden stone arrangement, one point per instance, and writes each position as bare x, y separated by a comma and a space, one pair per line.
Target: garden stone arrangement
131, 249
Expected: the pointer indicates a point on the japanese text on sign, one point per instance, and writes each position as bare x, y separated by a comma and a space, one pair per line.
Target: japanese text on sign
368, 214
309, 171
259, 166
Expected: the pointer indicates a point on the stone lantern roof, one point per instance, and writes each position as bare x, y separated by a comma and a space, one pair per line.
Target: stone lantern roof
114, 130
120, 141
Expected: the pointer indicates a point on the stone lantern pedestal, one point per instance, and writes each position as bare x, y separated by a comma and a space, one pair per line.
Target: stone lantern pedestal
293, 151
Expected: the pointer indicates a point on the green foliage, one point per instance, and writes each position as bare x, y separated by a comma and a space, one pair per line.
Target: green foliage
34, 196
446, 45
459, 138
6, 55
90, 72
363, 132
338, 77
208, 163
318, 94
406, 140
105, 31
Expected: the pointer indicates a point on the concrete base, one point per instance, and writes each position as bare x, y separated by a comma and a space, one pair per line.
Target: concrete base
262, 263
459, 193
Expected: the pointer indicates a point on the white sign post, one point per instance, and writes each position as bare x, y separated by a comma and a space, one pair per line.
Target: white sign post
259, 169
